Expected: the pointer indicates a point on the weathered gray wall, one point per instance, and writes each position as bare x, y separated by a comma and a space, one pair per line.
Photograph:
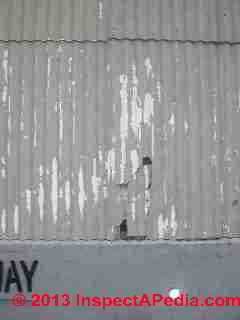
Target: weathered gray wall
77, 119
120, 268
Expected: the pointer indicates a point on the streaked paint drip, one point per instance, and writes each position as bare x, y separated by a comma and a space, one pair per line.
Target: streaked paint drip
96, 181
67, 196
41, 201
221, 192
171, 123
135, 161
110, 164
148, 66
16, 219
5, 65
136, 112
28, 195
159, 91
4, 94
60, 121
186, 127
100, 10
4, 220
48, 72
81, 193
35, 129
148, 108
123, 123
70, 64
162, 226
133, 207
173, 222
54, 189
3, 173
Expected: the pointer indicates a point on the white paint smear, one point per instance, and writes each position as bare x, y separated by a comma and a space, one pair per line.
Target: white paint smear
173, 222
100, 9
148, 66
4, 220
41, 201
67, 196
162, 226
111, 164
54, 191
4, 94
16, 220
123, 123
135, 161
159, 93
136, 110
3, 173
28, 200
96, 181
81, 194
148, 108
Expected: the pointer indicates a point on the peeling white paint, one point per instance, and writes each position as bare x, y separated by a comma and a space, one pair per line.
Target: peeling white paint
28, 200
60, 122
4, 221
67, 196
5, 68
3, 173
4, 94
41, 200
162, 226
148, 108
54, 190
96, 181
173, 222
159, 93
123, 122
171, 122
136, 110
148, 66
110, 164
100, 10
81, 194
135, 161
16, 219
133, 208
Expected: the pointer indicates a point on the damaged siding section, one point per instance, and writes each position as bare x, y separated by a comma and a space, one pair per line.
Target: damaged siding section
92, 134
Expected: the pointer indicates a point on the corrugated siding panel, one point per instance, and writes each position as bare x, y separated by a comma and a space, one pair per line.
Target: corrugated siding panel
194, 20
76, 121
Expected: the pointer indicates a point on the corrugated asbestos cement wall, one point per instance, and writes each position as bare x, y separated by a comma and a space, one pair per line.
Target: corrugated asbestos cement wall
141, 127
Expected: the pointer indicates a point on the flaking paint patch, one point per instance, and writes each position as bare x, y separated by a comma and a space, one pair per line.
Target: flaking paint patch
162, 226
16, 219
67, 196
4, 94
28, 195
133, 208
81, 193
41, 200
136, 110
60, 122
54, 190
123, 123
3, 173
173, 222
110, 164
100, 10
4, 220
96, 181
148, 66
148, 108
135, 161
